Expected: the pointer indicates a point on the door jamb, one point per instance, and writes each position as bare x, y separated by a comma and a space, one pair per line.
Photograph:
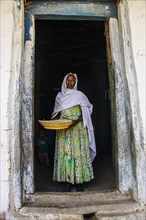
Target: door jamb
28, 88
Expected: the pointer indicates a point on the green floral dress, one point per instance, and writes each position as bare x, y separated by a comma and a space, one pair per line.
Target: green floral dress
72, 154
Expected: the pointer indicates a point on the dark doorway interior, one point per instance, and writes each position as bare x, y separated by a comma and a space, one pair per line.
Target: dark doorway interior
78, 47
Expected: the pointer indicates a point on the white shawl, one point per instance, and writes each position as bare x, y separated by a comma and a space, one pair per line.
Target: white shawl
70, 97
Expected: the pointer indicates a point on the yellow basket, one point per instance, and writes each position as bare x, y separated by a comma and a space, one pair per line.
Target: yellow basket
56, 124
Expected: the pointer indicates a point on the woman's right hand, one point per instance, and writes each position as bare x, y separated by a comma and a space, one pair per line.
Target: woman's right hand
75, 122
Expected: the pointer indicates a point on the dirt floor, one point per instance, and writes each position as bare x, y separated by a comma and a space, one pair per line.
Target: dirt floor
103, 171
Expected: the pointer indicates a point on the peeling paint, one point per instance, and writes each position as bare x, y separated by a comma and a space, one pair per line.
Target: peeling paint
19, 4
73, 10
28, 25
9, 149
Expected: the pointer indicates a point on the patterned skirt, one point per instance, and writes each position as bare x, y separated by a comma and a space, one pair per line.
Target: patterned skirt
72, 154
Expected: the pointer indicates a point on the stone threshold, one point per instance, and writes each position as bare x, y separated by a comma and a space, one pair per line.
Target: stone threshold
100, 209
105, 205
78, 205
73, 199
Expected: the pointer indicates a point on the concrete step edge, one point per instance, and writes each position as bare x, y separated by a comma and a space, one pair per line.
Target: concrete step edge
60, 198
101, 209
72, 203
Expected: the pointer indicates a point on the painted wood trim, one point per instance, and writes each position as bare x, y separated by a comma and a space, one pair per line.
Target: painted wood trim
28, 109
72, 10
112, 102
45, 10
123, 129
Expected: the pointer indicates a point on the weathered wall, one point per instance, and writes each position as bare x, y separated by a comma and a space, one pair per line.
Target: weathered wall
131, 18
11, 67
11, 36
137, 21
6, 37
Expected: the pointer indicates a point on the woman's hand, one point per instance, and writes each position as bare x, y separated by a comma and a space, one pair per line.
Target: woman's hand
75, 122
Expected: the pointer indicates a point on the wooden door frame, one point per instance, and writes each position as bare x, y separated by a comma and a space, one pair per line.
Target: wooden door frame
47, 10
74, 11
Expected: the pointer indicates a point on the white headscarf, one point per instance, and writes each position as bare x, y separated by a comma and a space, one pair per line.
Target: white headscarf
70, 97
64, 86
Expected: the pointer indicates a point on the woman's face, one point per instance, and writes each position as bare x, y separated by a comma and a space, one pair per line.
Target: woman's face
70, 81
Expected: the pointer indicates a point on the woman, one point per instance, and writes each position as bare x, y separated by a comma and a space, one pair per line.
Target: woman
75, 146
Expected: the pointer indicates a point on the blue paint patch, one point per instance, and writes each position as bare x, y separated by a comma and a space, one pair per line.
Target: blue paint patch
28, 25
19, 5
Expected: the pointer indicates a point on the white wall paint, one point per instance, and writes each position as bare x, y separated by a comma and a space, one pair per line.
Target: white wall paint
137, 20
6, 34
137, 27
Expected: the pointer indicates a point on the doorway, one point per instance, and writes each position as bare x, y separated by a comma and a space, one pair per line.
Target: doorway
78, 47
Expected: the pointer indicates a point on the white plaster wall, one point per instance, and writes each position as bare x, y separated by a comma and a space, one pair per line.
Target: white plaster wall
137, 19
6, 34
12, 46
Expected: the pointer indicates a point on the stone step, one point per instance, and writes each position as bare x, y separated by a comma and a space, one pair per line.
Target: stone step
73, 199
101, 205
100, 209
94, 216
41, 216
134, 216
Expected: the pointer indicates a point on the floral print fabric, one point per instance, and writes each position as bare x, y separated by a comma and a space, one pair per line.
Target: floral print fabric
72, 154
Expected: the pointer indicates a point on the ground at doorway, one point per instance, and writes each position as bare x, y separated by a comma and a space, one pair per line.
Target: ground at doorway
103, 171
